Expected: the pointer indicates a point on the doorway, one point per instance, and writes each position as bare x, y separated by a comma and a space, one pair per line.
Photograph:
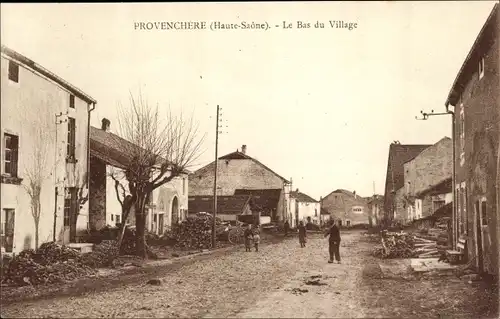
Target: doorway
175, 211
481, 220
160, 224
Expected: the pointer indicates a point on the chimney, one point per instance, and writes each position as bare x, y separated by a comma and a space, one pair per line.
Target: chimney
297, 190
354, 192
105, 123
244, 149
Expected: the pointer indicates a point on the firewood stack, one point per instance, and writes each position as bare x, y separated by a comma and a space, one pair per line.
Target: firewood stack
395, 245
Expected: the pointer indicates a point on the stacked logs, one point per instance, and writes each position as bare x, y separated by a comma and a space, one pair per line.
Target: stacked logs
395, 245
195, 232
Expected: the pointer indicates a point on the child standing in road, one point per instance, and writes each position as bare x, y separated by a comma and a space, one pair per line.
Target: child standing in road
302, 234
248, 238
256, 239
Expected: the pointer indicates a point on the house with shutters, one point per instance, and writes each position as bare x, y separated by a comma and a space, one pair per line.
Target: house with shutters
240, 174
44, 151
474, 100
109, 157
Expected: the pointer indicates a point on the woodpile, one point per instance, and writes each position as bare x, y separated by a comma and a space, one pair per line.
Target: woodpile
195, 232
395, 245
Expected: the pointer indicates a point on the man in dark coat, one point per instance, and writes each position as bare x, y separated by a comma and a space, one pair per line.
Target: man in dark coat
333, 242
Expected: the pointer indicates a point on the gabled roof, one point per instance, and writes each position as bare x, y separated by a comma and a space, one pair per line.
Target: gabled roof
265, 199
240, 156
398, 155
344, 192
484, 40
301, 197
112, 149
443, 187
46, 73
234, 204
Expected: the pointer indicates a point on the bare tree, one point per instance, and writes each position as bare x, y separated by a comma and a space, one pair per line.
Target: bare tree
37, 169
124, 198
161, 150
81, 197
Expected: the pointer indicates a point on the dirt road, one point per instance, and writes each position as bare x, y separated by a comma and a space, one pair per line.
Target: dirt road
273, 283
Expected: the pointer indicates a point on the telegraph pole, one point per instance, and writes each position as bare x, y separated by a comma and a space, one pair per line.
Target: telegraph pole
217, 126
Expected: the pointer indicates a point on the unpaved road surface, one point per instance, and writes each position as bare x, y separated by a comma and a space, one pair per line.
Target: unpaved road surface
281, 280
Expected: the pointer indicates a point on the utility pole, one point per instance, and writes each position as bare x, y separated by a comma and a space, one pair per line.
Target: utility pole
217, 126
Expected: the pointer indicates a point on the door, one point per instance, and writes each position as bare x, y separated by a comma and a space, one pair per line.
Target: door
7, 221
175, 211
479, 237
160, 224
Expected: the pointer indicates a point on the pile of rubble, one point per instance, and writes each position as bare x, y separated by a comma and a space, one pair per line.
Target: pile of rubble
395, 245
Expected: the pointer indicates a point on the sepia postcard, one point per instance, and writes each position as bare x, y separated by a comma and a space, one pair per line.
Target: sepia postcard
288, 159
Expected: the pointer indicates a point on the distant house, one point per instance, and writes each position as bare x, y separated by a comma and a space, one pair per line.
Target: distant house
475, 98
303, 207
109, 155
347, 207
375, 206
430, 168
394, 179
237, 170
45, 130
228, 207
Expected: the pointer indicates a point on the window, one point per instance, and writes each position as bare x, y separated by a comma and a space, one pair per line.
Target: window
481, 68
7, 229
112, 217
183, 186
316, 212
484, 215
11, 147
13, 71
69, 204
72, 101
71, 145
117, 219
348, 222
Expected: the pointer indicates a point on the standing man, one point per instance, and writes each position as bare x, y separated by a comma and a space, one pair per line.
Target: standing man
333, 242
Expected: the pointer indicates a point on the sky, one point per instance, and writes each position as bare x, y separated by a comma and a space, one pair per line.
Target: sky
319, 106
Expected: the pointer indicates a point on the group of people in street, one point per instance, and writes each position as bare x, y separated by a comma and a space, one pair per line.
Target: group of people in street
252, 236
332, 232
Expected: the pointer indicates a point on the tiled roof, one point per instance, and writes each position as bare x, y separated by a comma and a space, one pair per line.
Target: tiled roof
301, 197
265, 199
112, 149
398, 155
238, 156
225, 204
443, 187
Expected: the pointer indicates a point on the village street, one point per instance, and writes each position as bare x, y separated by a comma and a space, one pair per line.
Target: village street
272, 283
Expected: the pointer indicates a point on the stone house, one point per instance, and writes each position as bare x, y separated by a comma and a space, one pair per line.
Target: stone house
237, 170
109, 155
303, 207
429, 200
399, 154
474, 103
432, 167
347, 207
45, 133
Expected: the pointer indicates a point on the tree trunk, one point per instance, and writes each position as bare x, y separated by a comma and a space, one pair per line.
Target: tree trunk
127, 206
140, 228
36, 233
